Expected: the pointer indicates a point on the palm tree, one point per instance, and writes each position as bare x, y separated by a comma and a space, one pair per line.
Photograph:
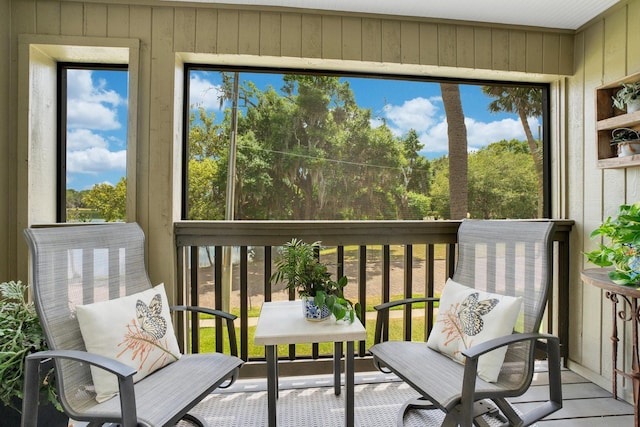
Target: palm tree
526, 102
457, 133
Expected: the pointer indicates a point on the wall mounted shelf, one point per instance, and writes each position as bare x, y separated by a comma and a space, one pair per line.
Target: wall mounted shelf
609, 118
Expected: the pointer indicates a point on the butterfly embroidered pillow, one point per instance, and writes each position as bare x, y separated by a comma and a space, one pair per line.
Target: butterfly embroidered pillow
135, 330
467, 317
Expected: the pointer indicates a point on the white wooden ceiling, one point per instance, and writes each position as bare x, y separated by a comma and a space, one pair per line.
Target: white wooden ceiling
563, 14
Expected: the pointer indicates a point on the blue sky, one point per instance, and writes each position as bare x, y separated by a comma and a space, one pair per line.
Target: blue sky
404, 105
96, 127
97, 117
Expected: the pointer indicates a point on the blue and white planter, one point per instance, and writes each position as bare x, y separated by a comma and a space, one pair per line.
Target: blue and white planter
312, 312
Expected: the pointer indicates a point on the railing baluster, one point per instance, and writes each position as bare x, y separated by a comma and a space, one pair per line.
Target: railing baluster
244, 304
267, 273
195, 280
408, 290
218, 295
362, 291
429, 288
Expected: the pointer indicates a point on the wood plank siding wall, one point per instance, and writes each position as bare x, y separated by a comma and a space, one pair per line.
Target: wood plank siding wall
165, 34
169, 33
605, 51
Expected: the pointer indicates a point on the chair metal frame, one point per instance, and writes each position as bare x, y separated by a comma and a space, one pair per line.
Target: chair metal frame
445, 384
112, 264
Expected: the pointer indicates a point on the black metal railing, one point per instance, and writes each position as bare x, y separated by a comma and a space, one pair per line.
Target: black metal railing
227, 265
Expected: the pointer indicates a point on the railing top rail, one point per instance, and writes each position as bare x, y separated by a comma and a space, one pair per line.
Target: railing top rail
331, 233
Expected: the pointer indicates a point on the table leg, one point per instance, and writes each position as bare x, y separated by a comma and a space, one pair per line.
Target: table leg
635, 364
337, 357
349, 385
272, 382
614, 342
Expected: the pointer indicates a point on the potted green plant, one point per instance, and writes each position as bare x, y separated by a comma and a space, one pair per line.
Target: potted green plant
623, 249
627, 140
21, 334
298, 265
628, 97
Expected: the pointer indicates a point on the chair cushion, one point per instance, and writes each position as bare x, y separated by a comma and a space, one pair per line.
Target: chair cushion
180, 385
467, 317
135, 329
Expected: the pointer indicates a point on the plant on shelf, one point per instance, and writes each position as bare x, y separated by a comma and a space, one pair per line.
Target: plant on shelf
630, 93
623, 250
627, 141
298, 265
20, 335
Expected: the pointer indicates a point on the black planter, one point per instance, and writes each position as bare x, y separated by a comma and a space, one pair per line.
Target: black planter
48, 416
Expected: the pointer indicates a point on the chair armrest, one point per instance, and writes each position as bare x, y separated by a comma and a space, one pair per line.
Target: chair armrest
228, 317
124, 374
382, 316
479, 349
112, 365
407, 301
210, 311
553, 364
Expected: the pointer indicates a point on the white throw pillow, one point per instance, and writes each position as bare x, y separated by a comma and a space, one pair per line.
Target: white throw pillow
467, 317
135, 330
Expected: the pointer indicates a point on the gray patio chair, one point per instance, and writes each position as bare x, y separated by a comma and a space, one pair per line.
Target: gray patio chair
502, 257
84, 264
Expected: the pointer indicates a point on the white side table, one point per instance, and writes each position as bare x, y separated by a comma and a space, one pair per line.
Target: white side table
281, 322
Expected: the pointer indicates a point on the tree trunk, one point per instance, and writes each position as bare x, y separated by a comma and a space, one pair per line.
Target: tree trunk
458, 158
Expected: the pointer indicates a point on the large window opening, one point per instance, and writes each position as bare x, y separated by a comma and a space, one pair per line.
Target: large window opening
355, 147
265, 144
92, 142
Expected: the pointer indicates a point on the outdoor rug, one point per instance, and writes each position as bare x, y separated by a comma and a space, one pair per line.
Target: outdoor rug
311, 402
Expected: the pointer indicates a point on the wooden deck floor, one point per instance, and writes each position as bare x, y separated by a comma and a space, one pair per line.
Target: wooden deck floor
584, 404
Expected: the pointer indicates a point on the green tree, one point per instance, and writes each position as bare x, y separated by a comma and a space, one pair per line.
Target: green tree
413, 200
439, 192
311, 146
74, 199
505, 192
108, 201
526, 102
204, 197
207, 146
325, 160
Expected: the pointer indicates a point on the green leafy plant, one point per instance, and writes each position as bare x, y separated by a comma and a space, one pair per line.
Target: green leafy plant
623, 250
629, 92
298, 265
20, 334
621, 135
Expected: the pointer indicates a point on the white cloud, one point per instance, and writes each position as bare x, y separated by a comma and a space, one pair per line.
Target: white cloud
435, 139
89, 104
96, 160
479, 134
82, 139
203, 93
417, 113
427, 117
